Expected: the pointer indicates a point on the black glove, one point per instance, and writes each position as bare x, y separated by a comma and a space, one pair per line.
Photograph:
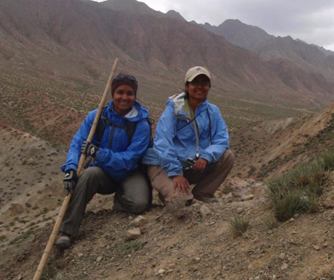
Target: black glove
70, 180
89, 149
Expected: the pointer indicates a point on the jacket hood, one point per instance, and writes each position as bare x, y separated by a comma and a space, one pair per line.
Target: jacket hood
177, 102
142, 112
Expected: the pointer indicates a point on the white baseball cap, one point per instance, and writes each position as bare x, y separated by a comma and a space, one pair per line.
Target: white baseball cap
193, 72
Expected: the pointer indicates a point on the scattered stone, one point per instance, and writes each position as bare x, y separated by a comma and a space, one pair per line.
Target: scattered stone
99, 259
139, 221
284, 266
161, 271
247, 197
316, 247
204, 210
197, 259
133, 233
282, 256
239, 210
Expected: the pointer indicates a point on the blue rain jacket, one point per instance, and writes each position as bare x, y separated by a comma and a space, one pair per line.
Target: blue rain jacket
178, 138
116, 156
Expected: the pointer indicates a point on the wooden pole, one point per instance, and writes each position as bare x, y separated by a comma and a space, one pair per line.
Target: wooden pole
63, 208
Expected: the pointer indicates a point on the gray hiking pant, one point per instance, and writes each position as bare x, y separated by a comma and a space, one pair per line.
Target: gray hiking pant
206, 183
132, 194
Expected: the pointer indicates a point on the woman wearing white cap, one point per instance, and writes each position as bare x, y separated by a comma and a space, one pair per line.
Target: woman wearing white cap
191, 144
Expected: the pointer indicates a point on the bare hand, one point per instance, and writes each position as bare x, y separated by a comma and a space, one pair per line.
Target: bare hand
200, 165
181, 184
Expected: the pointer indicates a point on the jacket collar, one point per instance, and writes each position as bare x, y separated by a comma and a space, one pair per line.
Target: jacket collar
179, 104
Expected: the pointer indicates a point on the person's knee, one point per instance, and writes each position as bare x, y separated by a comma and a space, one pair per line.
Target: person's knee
92, 172
139, 206
228, 157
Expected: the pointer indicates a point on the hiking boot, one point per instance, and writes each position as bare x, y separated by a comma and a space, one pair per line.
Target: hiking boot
64, 241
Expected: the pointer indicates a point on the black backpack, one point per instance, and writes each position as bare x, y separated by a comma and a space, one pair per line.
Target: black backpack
129, 127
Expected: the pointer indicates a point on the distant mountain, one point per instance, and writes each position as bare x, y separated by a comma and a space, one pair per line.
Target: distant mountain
71, 42
130, 6
310, 58
175, 15
240, 34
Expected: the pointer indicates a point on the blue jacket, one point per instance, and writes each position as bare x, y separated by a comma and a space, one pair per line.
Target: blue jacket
118, 157
177, 137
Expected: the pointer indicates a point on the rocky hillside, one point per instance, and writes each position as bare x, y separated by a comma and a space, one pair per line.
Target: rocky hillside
273, 147
72, 44
180, 242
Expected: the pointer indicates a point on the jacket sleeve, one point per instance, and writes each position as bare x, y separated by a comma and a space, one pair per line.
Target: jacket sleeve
128, 159
220, 138
81, 135
164, 144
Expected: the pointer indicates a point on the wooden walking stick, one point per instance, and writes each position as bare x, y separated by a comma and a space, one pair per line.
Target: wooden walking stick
56, 227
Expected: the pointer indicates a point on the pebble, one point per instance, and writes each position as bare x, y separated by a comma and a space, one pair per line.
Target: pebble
284, 266
204, 210
282, 256
239, 210
133, 233
247, 197
316, 247
99, 258
161, 271
139, 221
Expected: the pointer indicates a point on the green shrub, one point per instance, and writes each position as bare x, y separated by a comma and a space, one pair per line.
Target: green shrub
298, 190
327, 160
238, 225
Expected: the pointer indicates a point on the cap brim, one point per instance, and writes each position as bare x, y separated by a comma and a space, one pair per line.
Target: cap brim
191, 78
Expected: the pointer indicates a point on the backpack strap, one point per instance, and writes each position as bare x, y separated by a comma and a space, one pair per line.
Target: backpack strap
101, 126
130, 128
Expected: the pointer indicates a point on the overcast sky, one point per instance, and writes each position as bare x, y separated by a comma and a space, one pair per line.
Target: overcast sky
309, 20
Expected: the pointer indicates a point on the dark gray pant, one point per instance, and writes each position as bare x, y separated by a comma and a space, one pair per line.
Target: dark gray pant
132, 195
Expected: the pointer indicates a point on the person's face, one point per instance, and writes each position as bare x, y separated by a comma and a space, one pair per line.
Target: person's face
124, 98
199, 88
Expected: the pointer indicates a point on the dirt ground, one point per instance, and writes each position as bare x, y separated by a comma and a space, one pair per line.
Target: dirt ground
191, 243
194, 242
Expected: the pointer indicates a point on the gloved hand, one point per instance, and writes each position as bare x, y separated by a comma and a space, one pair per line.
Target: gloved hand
70, 180
89, 149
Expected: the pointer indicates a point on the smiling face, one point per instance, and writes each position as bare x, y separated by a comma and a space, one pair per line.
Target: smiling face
198, 89
124, 98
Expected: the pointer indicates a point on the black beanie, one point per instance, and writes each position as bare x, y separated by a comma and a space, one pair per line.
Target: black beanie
123, 79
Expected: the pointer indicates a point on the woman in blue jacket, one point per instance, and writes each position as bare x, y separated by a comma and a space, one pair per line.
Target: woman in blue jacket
191, 144
116, 157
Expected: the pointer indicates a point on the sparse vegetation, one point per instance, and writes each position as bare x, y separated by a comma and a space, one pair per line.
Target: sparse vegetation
52, 270
3, 237
327, 160
239, 224
131, 246
299, 189
270, 222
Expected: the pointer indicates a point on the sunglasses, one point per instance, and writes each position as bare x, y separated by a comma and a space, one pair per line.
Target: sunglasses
124, 78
